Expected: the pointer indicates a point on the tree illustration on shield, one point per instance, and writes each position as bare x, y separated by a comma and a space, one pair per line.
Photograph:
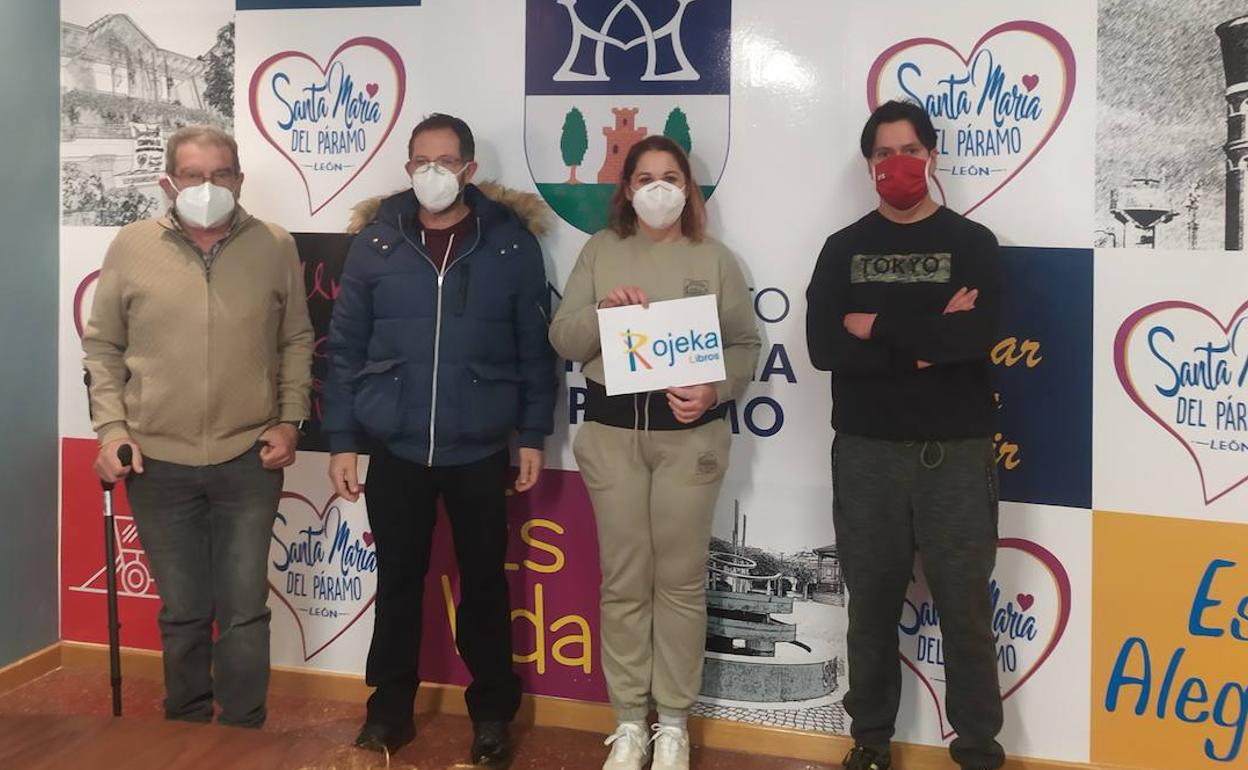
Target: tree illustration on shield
677, 129
574, 142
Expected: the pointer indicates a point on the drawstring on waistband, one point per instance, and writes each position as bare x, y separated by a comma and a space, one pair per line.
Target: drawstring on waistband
636, 437
940, 455
638, 425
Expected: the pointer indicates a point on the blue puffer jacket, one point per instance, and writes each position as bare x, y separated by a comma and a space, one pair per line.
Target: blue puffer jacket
441, 371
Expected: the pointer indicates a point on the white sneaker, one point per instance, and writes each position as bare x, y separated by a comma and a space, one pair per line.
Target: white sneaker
629, 749
671, 748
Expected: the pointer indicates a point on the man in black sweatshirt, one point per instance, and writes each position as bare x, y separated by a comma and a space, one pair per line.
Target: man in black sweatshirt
903, 311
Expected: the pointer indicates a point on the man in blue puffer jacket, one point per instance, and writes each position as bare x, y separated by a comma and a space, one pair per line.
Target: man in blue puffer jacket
438, 356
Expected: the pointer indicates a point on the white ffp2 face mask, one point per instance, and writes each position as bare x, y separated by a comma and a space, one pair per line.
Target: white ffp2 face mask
436, 188
659, 204
205, 205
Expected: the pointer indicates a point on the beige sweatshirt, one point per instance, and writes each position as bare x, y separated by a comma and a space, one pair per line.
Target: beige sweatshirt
663, 270
194, 362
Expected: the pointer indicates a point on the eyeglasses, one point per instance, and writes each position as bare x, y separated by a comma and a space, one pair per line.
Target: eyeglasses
447, 162
222, 176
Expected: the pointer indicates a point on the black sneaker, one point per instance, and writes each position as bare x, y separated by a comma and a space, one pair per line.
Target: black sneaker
863, 758
385, 738
491, 744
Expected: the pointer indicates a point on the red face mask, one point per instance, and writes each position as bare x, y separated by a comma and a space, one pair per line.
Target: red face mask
901, 181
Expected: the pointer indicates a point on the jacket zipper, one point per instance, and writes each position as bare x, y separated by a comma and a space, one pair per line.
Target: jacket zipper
207, 268
207, 346
437, 352
437, 328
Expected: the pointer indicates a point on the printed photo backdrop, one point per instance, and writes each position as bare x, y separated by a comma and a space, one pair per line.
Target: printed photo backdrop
131, 73
1120, 371
1170, 177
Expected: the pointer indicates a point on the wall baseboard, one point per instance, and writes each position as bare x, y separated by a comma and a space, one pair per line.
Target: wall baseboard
30, 667
545, 711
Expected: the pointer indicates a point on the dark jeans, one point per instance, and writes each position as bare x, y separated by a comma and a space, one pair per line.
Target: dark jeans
892, 498
402, 508
206, 531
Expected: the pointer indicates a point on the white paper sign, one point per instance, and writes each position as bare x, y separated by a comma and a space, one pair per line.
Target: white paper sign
670, 343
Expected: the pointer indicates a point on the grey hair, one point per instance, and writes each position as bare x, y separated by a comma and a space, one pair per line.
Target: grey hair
198, 135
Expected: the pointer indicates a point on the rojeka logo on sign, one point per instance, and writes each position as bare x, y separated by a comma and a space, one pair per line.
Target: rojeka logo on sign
759, 414
329, 120
694, 348
1030, 612
994, 109
323, 567
1189, 372
669, 343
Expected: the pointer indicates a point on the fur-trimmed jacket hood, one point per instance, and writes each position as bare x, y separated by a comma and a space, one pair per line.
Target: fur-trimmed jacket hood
528, 208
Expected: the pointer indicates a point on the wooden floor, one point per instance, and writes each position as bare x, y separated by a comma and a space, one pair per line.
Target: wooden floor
62, 721
76, 741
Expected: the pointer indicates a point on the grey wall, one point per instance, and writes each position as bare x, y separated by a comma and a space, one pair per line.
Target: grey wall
29, 90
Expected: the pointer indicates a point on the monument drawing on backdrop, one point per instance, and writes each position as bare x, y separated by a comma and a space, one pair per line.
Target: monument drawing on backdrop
1141, 207
122, 95
1192, 206
1190, 160
771, 658
1234, 38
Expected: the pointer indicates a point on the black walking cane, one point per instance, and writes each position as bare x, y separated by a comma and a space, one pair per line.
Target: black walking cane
125, 455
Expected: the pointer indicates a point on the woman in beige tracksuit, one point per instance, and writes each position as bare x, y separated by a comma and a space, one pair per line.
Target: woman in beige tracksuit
654, 462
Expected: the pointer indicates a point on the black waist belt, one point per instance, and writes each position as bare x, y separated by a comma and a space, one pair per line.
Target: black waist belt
629, 410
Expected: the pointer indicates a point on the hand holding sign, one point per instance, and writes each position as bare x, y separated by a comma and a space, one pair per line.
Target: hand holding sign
688, 404
622, 296
661, 345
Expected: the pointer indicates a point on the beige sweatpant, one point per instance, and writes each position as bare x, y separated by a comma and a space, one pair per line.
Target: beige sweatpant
654, 498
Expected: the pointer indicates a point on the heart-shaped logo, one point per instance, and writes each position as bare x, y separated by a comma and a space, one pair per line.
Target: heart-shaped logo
1027, 629
991, 121
1188, 371
323, 118
320, 569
